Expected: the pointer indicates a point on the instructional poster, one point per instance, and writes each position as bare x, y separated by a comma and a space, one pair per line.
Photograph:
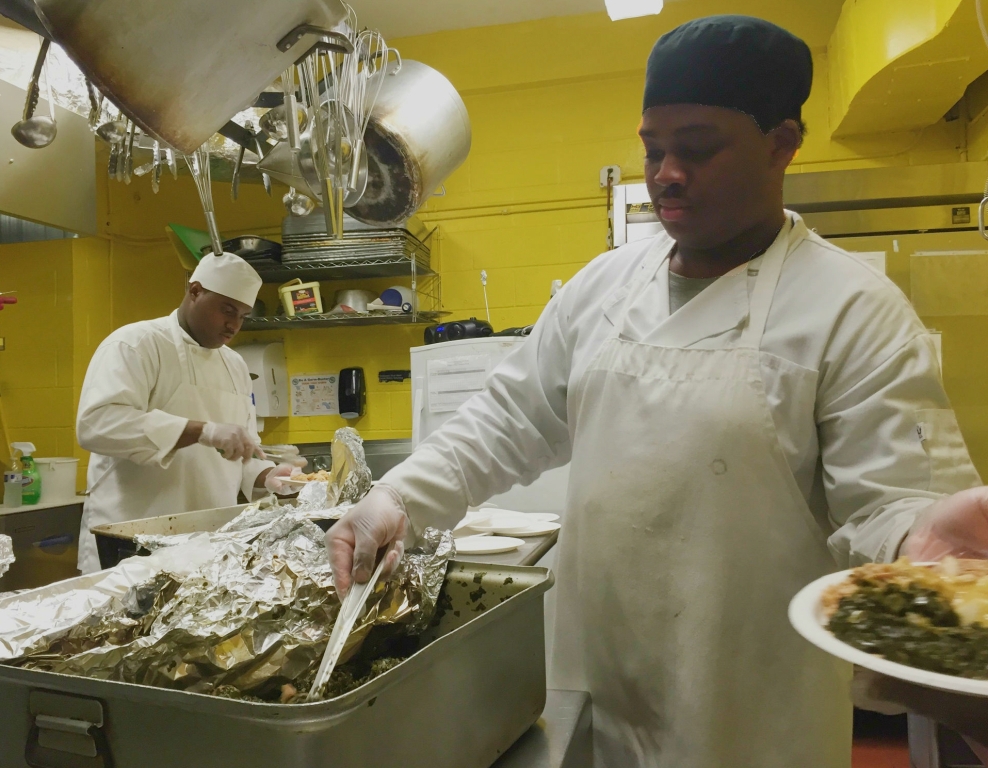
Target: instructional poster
315, 394
454, 380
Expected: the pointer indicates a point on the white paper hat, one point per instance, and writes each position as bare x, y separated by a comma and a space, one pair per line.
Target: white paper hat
228, 275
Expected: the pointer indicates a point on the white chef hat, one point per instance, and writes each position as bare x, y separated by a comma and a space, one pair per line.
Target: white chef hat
228, 275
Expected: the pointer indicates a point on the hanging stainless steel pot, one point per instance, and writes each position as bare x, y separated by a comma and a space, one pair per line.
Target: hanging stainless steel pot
182, 68
419, 133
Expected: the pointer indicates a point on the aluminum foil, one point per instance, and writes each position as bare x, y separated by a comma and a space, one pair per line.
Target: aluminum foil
30, 621
253, 618
350, 465
6, 553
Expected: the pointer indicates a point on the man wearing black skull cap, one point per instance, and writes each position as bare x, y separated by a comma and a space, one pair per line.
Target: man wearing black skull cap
739, 401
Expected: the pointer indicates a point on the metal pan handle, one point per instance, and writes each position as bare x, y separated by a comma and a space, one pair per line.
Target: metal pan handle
327, 40
67, 732
981, 218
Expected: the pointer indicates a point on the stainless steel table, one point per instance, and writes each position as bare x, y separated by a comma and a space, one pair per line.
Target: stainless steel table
562, 738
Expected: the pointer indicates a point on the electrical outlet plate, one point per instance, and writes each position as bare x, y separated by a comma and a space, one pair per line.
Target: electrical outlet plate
611, 171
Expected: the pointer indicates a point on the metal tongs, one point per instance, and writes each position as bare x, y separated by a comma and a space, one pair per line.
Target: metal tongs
353, 606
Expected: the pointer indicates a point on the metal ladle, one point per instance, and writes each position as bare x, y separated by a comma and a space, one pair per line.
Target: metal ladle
274, 122
297, 204
113, 132
35, 132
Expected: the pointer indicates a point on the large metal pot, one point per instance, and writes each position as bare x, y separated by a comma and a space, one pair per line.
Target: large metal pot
419, 133
182, 68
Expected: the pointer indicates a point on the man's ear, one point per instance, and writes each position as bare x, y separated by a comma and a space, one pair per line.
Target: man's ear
786, 141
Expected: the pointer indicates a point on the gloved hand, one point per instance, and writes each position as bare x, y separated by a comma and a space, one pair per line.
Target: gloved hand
354, 541
955, 526
275, 479
235, 443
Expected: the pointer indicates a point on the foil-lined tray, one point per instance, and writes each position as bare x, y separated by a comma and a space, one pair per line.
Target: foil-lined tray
252, 620
244, 611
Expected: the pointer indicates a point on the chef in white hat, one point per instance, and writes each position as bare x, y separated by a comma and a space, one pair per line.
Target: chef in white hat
166, 410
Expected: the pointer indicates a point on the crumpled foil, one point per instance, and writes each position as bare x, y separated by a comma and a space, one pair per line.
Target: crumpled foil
254, 616
6, 553
350, 468
31, 620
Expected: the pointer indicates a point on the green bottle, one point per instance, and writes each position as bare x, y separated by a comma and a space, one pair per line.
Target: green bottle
29, 471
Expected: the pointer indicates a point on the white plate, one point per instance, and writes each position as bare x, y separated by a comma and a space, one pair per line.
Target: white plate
535, 529
808, 618
466, 532
486, 545
544, 517
515, 524
499, 521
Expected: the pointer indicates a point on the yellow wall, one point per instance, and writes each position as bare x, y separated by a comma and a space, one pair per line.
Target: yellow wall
36, 369
551, 102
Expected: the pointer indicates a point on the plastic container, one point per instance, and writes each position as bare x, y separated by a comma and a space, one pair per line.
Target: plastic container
58, 476
30, 477
300, 298
13, 489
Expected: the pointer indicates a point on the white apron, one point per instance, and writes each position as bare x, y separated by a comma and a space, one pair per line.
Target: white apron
686, 536
197, 477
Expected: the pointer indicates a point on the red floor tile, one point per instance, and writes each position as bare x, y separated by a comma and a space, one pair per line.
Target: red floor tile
879, 753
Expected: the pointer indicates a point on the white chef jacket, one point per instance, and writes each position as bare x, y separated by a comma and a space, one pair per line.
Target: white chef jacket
850, 372
122, 418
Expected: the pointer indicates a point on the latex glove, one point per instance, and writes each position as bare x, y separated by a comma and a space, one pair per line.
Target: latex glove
275, 479
956, 526
235, 443
375, 522
968, 715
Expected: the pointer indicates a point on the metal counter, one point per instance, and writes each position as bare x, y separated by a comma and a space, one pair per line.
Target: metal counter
46, 543
562, 738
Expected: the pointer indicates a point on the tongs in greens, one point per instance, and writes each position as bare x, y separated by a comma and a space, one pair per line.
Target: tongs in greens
353, 606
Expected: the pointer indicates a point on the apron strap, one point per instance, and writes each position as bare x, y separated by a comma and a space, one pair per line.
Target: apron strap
766, 282
183, 356
656, 256
185, 360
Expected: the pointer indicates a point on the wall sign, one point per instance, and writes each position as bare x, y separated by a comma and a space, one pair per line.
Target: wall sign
316, 394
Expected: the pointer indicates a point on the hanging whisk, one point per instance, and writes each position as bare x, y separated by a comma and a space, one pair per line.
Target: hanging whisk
198, 163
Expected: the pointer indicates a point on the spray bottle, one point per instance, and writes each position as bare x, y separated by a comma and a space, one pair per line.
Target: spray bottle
31, 479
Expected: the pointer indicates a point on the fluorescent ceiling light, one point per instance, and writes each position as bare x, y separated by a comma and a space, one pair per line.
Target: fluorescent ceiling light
629, 9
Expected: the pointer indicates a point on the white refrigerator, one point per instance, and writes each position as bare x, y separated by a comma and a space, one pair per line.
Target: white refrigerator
444, 376
447, 374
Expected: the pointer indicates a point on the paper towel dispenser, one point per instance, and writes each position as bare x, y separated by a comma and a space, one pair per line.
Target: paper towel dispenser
269, 377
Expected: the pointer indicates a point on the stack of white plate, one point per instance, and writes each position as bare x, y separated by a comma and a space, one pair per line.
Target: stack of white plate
491, 531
